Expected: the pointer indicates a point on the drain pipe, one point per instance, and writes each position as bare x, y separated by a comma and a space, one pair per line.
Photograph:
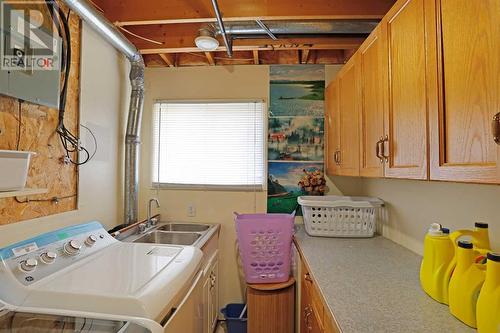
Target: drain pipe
88, 13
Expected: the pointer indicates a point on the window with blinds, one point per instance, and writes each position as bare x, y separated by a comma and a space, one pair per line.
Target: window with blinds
209, 144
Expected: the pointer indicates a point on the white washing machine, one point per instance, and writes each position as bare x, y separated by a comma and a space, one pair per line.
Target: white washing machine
83, 275
25, 320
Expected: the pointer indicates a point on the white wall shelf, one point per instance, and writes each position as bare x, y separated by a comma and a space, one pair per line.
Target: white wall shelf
23, 193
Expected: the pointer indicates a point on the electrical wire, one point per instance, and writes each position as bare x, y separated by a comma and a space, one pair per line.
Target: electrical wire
139, 36
20, 121
81, 328
54, 200
94, 138
70, 142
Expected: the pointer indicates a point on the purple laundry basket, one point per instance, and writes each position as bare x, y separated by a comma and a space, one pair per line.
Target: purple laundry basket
265, 242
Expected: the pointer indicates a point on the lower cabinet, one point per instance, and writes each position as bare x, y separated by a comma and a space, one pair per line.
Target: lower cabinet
210, 295
314, 313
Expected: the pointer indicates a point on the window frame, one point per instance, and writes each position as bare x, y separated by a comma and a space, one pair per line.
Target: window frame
200, 187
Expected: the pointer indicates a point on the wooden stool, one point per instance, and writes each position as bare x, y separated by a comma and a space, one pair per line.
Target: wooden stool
271, 307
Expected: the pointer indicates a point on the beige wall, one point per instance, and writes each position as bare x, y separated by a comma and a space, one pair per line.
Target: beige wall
202, 83
102, 100
413, 205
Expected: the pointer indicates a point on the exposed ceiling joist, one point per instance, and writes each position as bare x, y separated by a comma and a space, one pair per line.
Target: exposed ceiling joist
210, 58
133, 10
255, 57
284, 47
174, 38
164, 31
348, 54
168, 59
304, 56
246, 18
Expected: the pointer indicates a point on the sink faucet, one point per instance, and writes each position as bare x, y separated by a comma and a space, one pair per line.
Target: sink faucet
151, 221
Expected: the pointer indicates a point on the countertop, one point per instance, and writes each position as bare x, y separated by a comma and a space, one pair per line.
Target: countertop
372, 285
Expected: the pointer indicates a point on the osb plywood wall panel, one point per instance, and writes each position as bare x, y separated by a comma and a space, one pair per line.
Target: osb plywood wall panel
38, 124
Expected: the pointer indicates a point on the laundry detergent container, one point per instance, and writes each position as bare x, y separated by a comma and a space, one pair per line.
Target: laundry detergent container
265, 242
14, 167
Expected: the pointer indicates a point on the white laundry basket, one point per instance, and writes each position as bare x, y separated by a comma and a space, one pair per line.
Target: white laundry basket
14, 166
340, 216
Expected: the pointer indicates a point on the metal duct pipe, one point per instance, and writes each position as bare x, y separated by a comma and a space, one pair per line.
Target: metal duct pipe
98, 22
305, 27
227, 41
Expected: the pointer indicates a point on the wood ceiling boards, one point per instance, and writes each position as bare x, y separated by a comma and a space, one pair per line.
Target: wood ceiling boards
171, 27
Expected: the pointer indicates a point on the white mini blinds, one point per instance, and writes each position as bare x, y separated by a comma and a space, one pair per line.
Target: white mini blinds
209, 144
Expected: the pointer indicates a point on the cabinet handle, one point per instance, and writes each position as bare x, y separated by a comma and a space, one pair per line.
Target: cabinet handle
495, 125
307, 277
378, 150
386, 157
307, 315
337, 157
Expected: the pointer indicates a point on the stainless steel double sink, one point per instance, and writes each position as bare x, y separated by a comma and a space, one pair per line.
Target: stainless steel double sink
194, 234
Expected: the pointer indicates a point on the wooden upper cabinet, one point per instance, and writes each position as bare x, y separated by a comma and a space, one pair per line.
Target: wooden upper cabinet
427, 80
332, 127
464, 96
348, 90
371, 113
406, 113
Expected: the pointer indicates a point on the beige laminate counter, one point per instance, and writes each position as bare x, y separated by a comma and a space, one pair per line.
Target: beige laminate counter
372, 285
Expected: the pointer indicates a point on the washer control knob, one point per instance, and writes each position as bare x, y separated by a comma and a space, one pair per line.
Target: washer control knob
48, 257
72, 247
28, 265
90, 241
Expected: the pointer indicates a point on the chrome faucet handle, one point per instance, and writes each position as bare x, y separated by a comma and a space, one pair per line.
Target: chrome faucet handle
154, 221
142, 227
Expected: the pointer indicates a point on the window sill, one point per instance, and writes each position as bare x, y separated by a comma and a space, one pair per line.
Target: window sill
222, 188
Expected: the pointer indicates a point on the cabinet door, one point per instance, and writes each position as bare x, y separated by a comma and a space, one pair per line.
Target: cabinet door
314, 322
214, 296
406, 112
466, 87
371, 115
188, 316
211, 296
330, 325
332, 128
206, 306
304, 311
348, 119
310, 317
305, 299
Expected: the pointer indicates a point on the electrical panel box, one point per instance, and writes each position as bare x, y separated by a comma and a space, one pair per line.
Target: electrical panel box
26, 72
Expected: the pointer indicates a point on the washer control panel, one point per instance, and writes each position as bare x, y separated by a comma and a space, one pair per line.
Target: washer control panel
33, 259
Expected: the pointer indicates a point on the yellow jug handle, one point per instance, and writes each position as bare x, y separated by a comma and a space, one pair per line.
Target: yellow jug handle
459, 233
482, 252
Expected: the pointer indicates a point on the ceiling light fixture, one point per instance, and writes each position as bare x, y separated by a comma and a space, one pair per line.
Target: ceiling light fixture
206, 40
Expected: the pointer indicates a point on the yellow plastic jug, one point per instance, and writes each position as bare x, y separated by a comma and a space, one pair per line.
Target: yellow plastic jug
465, 284
488, 304
480, 236
437, 267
